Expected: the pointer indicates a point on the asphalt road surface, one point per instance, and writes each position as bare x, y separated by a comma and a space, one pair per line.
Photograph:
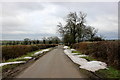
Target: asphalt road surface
54, 64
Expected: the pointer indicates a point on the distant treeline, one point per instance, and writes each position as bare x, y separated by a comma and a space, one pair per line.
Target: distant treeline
27, 41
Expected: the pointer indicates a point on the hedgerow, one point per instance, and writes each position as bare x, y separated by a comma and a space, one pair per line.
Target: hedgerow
107, 51
14, 51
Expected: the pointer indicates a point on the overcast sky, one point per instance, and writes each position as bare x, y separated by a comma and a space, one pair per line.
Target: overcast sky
36, 20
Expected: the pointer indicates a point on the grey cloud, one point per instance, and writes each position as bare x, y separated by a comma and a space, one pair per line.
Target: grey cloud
11, 21
22, 36
15, 8
32, 17
109, 35
30, 6
119, 20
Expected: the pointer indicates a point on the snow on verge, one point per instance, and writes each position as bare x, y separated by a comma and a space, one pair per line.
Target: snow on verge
73, 50
66, 47
44, 50
75, 53
84, 64
82, 55
75, 58
94, 66
2, 64
79, 61
27, 58
39, 52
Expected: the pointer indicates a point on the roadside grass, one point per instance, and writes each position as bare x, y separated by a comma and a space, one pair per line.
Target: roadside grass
77, 52
17, 59
110, 72
30, 54
106, 73
69, 47
12, 66
88, 58
5, 68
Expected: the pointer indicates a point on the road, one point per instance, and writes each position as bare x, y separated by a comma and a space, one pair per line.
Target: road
54, 64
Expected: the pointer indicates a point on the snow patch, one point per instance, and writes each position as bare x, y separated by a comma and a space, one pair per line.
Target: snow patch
79, 61
2, 64
82, 55
84, 64
75, 53
66, 47
75, 58
39, 52
73, 50
27, 58
94, 66
45, 50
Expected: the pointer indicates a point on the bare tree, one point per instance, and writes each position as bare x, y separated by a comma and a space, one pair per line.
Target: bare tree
75, 29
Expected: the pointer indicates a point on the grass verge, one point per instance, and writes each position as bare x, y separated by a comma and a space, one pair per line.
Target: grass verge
5, 68
77, 52
109, 73
30, 54
106, 73
89, 58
